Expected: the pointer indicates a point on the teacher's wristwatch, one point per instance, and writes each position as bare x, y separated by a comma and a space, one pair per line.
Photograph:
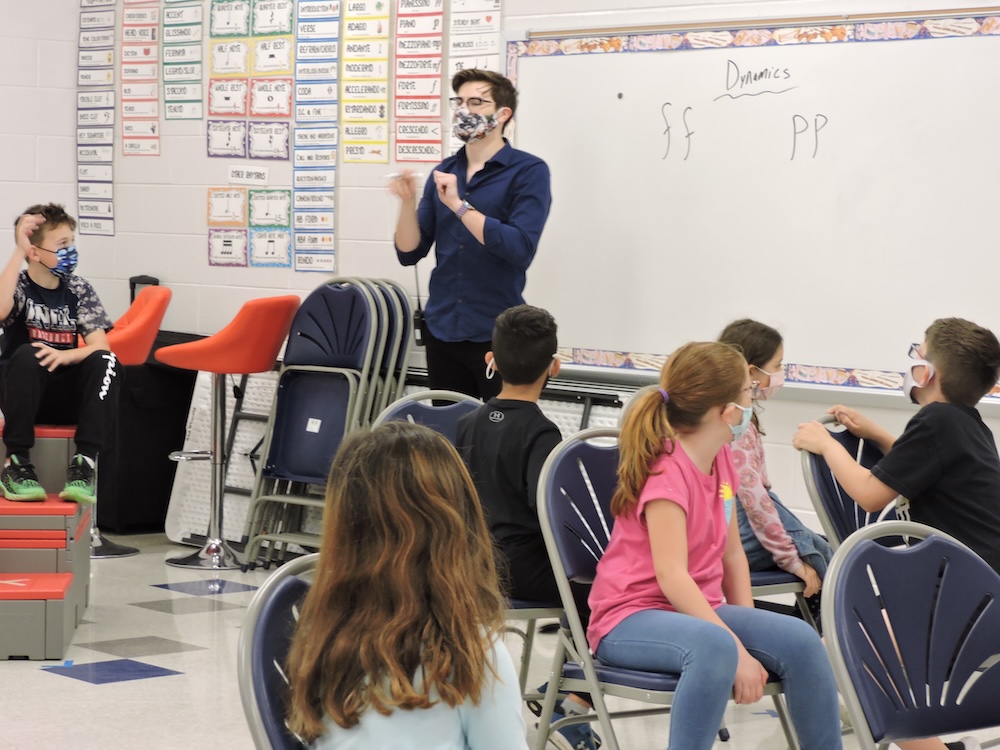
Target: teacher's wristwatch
464, 209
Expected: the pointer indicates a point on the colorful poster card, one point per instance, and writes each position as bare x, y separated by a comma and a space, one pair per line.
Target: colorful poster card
273, 56
229, 18
271, 97
270, 208
271, 248
268, 140
227, 207
315, 262
272, 17
228, 96
227, 247
227, 138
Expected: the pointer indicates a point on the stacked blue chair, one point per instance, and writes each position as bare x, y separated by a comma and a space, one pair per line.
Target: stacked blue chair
327, 386
439, 410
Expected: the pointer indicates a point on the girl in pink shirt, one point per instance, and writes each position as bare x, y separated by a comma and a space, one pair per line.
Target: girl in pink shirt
672, 591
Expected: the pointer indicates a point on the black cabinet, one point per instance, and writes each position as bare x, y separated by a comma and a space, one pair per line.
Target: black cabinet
135, 475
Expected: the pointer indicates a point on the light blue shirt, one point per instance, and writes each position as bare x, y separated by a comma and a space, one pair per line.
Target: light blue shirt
495, 724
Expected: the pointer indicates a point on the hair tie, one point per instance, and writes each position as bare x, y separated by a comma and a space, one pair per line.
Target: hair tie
665, 395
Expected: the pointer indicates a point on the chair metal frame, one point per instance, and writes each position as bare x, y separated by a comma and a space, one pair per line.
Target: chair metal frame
840, 514
260, 705
899, 651
582, 673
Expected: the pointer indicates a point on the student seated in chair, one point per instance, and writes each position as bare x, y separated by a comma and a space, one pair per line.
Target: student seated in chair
47, 377
505, 442
945, 463
398, 641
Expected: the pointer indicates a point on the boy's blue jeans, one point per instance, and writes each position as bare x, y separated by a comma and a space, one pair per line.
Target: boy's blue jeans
705, 655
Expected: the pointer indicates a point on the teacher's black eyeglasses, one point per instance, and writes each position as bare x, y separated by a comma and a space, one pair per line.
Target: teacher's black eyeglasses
458, 102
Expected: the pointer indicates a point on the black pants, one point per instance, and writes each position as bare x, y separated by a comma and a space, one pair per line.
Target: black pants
85, 394
459, 366
526, 572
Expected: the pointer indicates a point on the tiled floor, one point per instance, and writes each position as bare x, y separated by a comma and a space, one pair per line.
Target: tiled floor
153, 666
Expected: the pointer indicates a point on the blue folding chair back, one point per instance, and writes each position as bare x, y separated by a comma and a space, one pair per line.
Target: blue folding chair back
263, 650
420, 408
334, 327
311, 417
839, 515
912, 633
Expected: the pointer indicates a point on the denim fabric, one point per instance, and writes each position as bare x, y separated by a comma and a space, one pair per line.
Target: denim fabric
706, 657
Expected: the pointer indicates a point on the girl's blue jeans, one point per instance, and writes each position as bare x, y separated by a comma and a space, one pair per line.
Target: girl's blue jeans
705, 655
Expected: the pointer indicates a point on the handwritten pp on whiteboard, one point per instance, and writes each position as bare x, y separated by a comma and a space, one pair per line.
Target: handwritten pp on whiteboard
844, 193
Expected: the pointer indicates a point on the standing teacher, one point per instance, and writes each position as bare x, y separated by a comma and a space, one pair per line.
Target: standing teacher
483, 211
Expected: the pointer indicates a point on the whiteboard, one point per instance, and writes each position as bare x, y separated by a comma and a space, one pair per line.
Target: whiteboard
845, 193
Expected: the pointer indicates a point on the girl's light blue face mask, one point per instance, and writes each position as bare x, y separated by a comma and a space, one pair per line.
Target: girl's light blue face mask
66, 261
739, 430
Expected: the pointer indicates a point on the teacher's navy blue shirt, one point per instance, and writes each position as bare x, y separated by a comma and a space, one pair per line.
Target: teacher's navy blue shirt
473, 283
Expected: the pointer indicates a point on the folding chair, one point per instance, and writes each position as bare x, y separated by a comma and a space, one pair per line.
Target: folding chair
321, 396
574, 508
264, 642
419, 408
839, 515
398, 381
912, 634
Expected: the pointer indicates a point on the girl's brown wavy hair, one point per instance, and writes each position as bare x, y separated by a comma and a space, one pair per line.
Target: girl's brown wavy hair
406, 584
696, 377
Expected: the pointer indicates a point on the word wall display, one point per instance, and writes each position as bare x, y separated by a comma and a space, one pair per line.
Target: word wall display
272, 82
95, 118
316, 137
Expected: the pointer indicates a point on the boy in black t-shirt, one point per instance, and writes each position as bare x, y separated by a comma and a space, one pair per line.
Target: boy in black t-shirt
505, 442
945, 463
47, 376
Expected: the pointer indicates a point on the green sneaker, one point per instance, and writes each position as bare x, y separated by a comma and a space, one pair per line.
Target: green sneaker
80, 481
19, 481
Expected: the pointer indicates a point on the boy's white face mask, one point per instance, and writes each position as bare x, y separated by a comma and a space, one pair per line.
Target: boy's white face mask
910, 382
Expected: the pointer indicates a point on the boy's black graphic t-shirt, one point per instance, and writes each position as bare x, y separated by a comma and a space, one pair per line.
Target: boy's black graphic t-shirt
52, 316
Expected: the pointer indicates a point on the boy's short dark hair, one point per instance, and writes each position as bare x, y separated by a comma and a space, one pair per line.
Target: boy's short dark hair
55, 216
501, 89
524, 342
966, 358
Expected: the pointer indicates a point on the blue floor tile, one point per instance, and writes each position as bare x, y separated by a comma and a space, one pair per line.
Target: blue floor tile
206, 588
118, 670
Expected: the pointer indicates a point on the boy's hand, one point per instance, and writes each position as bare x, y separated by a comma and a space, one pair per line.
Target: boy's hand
50, 358
853, 420
812, 437
26, 227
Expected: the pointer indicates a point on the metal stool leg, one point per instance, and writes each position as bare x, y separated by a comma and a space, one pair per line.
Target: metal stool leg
102, 548
216, 554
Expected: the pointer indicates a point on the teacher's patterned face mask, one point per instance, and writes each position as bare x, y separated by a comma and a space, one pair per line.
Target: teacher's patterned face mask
470, 126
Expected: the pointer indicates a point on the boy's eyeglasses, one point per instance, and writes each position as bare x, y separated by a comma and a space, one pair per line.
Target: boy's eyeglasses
458, 102
915, 352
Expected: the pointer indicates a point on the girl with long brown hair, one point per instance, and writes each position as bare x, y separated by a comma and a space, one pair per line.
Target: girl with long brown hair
397, 643
672, 591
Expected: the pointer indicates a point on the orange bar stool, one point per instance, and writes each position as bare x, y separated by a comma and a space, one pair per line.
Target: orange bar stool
250, 343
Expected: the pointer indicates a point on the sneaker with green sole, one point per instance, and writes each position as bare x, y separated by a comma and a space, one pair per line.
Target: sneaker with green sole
19, 482
80, 481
